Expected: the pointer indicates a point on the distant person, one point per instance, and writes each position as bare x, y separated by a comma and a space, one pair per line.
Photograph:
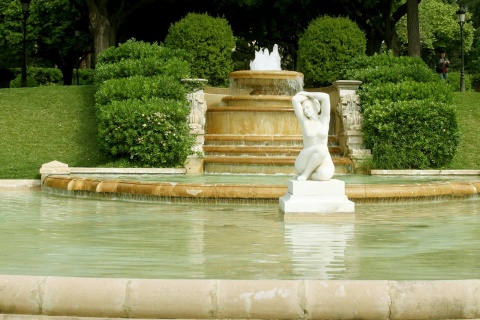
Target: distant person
313, 112
442, 65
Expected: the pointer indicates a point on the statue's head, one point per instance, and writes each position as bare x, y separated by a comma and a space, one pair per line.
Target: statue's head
311, 106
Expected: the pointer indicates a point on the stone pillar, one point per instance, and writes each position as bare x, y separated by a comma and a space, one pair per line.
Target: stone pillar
350, 122
196, 122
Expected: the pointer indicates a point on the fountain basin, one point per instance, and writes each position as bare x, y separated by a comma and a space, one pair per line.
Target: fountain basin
276, 82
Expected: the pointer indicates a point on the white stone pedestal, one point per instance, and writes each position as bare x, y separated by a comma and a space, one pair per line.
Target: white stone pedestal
316, 197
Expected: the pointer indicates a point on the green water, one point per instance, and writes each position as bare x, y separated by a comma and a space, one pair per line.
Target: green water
44, 234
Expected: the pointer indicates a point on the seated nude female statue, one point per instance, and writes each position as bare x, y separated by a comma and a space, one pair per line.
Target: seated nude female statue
313, 112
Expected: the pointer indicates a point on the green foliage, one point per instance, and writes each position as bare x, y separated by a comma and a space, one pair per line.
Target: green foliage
439, 27
137, 50
405, 91
415, 134
148, 67
142, 106
383, 68
453, 80
209, 41
326, 46
86, 76
17, 82
152, 132
409, 118
45, 76
139, 87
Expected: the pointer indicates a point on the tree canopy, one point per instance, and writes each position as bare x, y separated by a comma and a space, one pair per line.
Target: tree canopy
255, 23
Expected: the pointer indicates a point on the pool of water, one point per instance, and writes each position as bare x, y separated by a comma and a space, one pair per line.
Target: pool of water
43, 234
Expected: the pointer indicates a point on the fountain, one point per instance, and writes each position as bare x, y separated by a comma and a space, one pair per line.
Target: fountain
293, 270
253, 129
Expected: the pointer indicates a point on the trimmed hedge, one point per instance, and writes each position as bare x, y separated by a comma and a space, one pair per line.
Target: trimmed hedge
139, 87
210, 43
415, 134
151, 132
142, 106
383, 68
326, 46
410, 121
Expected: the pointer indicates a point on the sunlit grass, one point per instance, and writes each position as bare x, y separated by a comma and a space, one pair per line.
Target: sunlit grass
467, 156
42, 124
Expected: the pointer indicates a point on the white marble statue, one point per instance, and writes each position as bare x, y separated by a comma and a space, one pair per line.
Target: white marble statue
313, 112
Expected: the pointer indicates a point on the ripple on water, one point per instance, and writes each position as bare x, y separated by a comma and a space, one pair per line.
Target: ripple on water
45, 234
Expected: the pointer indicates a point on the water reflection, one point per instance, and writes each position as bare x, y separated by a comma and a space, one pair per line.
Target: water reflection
318, 249
51, 235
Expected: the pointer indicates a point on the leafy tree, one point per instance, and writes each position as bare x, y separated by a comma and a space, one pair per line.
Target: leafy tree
50, 34
11, 33
439, 28
106, 17
54, 23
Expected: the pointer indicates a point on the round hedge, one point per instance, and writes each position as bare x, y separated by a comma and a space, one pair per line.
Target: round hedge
209, 41
326, 46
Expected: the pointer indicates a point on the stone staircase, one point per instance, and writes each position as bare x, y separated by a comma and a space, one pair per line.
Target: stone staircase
259, 134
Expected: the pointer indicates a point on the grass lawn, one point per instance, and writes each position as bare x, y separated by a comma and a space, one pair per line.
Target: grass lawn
467, 156
42, 124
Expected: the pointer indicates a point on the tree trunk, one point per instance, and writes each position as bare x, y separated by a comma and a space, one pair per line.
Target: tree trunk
391, 37
413, 29
102, 26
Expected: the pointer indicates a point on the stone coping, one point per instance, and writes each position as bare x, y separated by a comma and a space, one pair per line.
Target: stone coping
202, 191
238, 299
251, 192
427, 172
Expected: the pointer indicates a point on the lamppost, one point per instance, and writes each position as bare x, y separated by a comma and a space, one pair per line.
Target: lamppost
77, 34
25, 5
461, 21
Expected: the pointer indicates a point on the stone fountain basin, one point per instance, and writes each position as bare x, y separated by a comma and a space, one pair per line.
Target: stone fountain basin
274, 82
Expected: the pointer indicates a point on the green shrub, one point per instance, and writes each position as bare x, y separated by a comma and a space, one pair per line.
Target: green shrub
86, 76
148, 67
409, 119
140, 87
133, 49
453, 80
325, 48
210, 43
475, 80
415, 134
46, 76
152, 132
405, 91
383, 68
17, 82
141, 104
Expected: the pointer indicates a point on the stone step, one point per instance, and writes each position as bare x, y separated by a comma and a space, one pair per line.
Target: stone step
259, 150
264, 140
257, 102
263, 165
